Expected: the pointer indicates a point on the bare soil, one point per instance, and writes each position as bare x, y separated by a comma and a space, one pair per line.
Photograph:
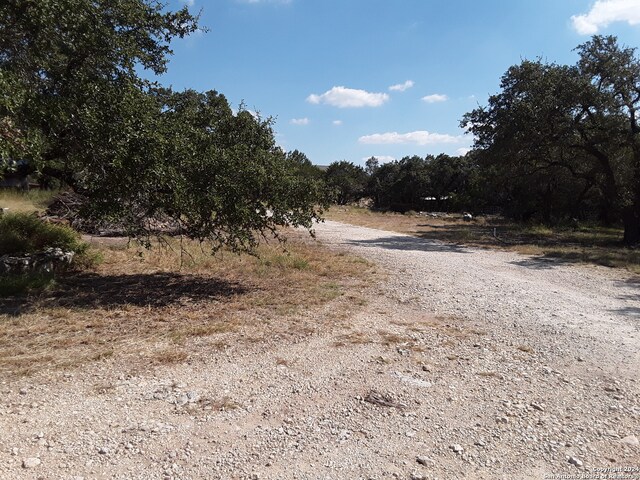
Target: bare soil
460, 363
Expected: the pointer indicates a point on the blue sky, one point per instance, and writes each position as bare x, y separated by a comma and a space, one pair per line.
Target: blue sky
351, 79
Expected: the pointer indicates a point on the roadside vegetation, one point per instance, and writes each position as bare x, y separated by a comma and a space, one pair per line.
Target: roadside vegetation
557, 150
31, 201
147, 304
557, 153
581, 243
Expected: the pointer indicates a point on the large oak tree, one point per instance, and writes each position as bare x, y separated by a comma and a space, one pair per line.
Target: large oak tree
76, 107
563, 134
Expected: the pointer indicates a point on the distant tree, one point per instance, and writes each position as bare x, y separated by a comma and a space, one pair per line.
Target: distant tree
400, 185
302, 164
381, 185
449, 181
371, 165
345, 181
74, 105
413, 183
563, 136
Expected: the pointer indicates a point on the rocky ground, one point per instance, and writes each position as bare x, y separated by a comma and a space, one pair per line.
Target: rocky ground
464, 363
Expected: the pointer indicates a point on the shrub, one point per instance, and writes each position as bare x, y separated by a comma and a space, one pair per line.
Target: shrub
23, 233
22, 284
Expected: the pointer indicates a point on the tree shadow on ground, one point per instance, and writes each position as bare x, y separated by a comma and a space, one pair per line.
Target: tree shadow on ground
542, 262
90, 290
410, 243
468, 234
633, 312
634, 297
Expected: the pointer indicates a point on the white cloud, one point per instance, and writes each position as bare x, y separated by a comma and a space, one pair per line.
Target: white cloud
188, 2
435, 98
343, 97
401, 87
420, 137
463, 151
300, 121
337, 122
604, 12
380, 158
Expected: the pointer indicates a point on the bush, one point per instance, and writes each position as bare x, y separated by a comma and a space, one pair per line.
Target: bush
22, 233
22, 284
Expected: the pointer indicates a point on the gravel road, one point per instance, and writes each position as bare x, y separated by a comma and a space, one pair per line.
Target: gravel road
462, 363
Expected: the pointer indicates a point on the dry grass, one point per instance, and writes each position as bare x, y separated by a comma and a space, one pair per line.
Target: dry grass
353, 338
32, 201
146, 305
224, 404
582, 244
451, 328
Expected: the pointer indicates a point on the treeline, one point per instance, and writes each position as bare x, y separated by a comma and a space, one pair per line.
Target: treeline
437, 183
559, 142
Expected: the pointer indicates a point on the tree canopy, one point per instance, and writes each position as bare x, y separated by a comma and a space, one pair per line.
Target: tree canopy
345, 182
75, 106
561, 139
416, 183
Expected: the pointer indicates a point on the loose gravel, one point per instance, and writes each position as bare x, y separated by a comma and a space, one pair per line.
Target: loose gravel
462, 363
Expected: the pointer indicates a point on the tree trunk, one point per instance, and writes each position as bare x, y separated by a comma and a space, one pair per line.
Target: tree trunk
631, 219
631, 213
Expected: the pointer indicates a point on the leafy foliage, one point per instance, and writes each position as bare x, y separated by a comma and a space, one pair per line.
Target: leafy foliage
78, 111
562, 141
12, 284
415, 183
23, 233
345, 181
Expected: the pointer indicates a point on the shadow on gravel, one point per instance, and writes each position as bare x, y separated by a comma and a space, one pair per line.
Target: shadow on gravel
628, 312
90, 290
410, 243
631, 285
541, 263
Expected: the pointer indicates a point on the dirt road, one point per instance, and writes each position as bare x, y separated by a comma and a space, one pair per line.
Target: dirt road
462, 364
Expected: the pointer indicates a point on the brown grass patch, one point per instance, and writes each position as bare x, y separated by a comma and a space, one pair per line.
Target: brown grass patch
169, 355
389, 338
447, 325
353, 338
147, 304
223, 404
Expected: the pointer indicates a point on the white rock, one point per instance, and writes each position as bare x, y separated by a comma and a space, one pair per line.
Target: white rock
631, 440
30, 462
575, 461
426, 461
457, 448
